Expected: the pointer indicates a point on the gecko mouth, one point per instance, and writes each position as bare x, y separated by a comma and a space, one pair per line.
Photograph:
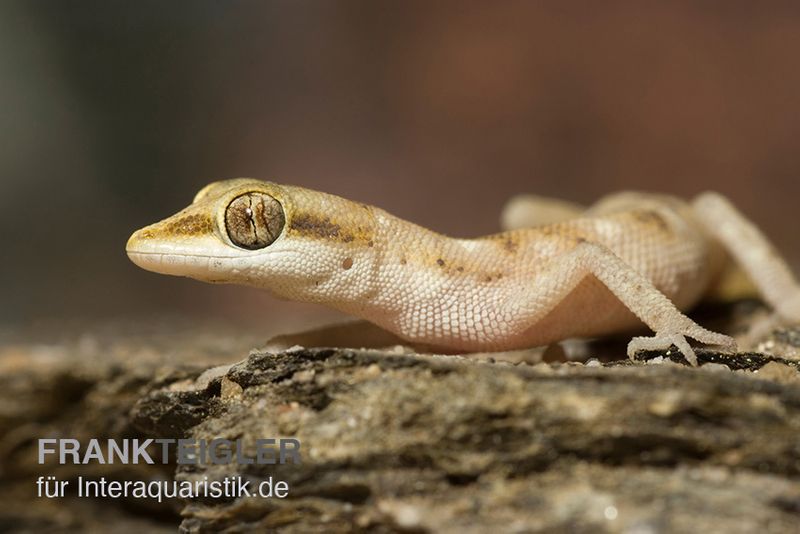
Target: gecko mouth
173, 264
163, 257
170, 258
142, 243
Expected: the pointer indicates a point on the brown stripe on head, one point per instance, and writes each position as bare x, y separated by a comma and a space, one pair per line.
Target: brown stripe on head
322, 227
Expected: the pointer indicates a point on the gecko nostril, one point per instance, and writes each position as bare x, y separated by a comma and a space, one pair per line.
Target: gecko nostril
136, 239
254, 220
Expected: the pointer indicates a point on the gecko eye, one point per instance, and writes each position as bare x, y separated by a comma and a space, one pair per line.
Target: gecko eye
254, 220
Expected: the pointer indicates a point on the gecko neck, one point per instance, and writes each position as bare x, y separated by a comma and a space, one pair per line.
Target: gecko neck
410, 271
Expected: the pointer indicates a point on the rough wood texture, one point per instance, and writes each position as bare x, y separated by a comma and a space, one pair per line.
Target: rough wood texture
394, 442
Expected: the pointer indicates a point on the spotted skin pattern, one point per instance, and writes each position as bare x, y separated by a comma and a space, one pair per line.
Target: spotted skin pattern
632, 258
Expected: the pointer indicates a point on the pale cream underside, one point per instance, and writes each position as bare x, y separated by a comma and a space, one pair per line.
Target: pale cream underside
629, 259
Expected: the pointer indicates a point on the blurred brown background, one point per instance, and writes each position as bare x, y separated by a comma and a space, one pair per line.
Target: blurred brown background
114, 113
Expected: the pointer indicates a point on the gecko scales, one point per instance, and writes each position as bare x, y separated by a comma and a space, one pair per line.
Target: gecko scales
558, 271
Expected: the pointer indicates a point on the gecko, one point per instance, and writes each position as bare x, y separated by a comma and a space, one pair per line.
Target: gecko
558, 271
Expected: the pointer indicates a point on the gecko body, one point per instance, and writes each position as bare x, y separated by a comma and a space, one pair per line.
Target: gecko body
629, 259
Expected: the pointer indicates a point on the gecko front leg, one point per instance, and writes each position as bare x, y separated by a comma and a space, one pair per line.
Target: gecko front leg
311, 246
631, 288
527, 211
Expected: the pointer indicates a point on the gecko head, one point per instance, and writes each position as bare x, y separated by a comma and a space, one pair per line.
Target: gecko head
233, 232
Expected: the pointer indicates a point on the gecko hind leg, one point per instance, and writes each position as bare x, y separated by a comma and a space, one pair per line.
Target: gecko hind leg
751, 250
635, 291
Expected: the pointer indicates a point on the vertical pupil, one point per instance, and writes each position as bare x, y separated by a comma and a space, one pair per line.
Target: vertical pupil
254, 220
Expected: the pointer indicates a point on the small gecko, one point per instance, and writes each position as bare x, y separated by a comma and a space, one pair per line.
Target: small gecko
559, 271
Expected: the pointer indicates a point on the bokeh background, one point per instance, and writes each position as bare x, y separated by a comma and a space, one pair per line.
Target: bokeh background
113, 114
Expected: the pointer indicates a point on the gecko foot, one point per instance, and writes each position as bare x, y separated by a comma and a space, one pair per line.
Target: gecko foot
665, 341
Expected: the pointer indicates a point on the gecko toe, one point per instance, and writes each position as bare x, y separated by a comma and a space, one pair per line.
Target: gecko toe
662, 343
